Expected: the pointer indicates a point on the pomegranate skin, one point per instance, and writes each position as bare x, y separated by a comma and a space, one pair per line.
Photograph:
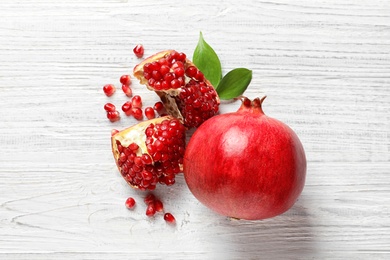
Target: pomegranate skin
245, 164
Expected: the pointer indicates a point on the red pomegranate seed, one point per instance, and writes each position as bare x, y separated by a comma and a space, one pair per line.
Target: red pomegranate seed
125, 80
133, 147
109, 89
109, 107
127, 90
159, 107
139, 50
150, 198
164, 69
136, 101
137, 113
191, 71
158, 206
149, 113
179, 72
126, 108
150, 210
168, 217
113, 116
175, 83
130, 203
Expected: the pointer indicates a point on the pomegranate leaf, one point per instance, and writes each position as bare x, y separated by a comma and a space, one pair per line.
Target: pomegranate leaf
207, 61
234, 83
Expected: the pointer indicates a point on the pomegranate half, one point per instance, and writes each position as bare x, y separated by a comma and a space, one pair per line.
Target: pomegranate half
245, 164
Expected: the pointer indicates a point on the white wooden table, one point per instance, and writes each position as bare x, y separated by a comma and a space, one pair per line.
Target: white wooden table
324, 65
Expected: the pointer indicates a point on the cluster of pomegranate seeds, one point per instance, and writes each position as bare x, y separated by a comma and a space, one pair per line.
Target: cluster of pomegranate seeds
165, 142
154, 205
113, 116
197, 101
139, 50
126, 108
126, 82
166, 73
109, 107
182, 87
112, 113
109, 89
132, 107
160, 162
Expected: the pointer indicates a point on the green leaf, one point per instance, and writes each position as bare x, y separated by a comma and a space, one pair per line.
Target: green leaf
234, 83
207, 61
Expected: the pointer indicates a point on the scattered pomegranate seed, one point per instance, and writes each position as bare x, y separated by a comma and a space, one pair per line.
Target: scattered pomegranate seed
149, 113
149, 198
109, 107
158, 206
113, 116
126, 108
150, 210
139, 50
136, 101
130, 203
109, 89
125, 80
127, 90
137, 113
168, 217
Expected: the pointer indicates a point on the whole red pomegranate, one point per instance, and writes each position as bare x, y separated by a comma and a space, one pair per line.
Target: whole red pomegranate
245, 164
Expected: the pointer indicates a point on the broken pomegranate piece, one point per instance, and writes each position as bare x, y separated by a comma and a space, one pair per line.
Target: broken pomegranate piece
182, 87
150, 152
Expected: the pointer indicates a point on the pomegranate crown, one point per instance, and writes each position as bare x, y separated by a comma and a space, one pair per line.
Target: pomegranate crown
253, 106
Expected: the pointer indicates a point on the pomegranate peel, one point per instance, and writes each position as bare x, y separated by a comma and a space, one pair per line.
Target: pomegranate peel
245, 164
183, 89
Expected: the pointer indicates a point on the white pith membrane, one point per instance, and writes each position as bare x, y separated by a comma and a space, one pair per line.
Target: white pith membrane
158, 153
131, 135
174, 103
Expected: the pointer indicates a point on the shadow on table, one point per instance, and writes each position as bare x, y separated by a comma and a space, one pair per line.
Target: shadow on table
288, 236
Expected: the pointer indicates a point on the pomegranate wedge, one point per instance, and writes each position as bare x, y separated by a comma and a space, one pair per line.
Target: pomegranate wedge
182, 87
150, 152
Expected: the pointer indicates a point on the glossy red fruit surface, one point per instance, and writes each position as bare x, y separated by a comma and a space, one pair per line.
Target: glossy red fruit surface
245, 164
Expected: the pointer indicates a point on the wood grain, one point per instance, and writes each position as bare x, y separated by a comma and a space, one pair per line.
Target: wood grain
324, 66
